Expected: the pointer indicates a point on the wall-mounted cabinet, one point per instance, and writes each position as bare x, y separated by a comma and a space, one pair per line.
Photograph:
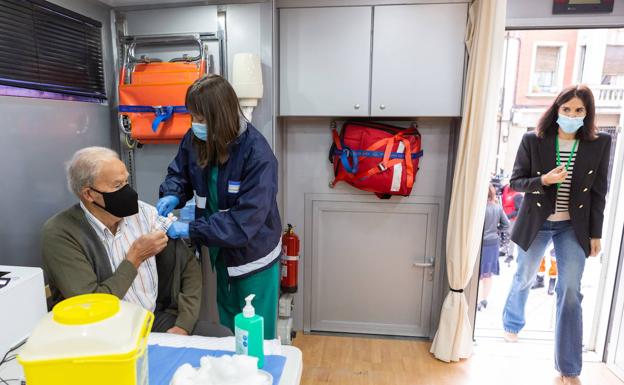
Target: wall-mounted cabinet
414, 66
325, 61
418, 60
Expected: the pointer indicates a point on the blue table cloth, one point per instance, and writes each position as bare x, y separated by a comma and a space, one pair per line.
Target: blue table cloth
163, 362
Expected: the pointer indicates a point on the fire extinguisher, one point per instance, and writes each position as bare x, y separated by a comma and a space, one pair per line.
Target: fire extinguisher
290, 260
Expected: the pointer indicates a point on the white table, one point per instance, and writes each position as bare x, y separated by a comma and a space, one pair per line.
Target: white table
292, 369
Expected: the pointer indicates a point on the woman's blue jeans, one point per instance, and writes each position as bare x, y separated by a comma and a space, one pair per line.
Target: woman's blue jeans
569, 322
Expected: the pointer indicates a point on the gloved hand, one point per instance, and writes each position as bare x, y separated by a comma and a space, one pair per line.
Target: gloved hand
178, 230
166, 204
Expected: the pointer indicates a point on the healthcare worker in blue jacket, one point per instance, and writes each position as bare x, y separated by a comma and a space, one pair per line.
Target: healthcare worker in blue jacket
228, 167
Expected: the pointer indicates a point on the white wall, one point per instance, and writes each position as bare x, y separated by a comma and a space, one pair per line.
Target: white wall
249, 30
595, 55
172, 20
38, 136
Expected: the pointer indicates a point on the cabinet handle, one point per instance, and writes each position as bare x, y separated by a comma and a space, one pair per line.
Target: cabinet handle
429, 262
382, 107
357, 106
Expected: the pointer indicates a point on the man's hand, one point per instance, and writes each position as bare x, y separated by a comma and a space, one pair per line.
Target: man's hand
556, 175
146, 246
595, 247
177, 330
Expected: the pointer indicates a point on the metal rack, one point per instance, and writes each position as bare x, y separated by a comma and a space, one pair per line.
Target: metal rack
128, 46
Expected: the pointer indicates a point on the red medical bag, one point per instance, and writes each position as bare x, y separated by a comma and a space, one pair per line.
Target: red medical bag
376, 157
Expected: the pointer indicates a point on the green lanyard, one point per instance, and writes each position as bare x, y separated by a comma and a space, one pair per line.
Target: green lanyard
559, 156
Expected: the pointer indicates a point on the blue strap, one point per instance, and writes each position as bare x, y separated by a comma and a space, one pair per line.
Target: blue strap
374, 154
138, 109
162, 114
344, 158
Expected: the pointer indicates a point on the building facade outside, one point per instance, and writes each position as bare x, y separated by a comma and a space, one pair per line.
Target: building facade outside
540, 63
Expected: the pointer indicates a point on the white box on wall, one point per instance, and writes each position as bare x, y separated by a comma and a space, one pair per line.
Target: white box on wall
22, 304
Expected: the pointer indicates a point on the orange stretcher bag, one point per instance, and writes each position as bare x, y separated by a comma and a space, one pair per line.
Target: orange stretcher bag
152, 98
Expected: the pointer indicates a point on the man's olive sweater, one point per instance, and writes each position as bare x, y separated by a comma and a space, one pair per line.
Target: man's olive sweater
75, 262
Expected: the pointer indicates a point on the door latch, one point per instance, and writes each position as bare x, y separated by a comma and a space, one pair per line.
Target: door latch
428, 263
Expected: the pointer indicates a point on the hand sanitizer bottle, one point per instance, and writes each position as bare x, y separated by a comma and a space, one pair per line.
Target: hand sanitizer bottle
249, 331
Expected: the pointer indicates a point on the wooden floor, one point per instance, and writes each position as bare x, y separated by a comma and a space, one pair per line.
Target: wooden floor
373, 361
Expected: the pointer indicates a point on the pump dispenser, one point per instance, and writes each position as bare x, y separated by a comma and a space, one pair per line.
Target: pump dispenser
249, 331
248, 310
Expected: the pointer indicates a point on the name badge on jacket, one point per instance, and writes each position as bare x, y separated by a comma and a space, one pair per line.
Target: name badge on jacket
233, 187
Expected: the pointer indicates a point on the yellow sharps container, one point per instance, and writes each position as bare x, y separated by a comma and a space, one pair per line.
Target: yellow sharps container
93, 339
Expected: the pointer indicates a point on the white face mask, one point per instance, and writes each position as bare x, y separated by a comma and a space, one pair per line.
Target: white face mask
570, 125
200, 130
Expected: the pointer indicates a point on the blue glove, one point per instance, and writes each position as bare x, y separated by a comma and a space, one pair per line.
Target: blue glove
166, 204
178, 230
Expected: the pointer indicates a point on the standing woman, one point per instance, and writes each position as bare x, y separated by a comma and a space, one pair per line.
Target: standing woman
495, 224
229, 168
562, 168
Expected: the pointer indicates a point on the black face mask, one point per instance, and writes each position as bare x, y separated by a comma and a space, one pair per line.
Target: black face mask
121, 203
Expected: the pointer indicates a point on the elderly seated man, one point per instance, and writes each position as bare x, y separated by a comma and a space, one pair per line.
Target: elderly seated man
110, 242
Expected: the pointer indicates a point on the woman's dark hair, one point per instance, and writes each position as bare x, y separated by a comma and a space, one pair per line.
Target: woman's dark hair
548, 126
213, 99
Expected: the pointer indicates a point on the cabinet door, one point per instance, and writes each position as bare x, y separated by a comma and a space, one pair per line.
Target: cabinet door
325, 61
418, 60
373, 266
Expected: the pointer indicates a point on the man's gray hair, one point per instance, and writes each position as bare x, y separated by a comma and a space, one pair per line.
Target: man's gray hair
85, 165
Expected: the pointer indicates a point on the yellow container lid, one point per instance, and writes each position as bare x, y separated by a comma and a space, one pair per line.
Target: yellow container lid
90, 325
85, 309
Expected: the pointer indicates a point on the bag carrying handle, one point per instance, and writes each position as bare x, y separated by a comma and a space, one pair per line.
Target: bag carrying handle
387, 163
162, 115
345, 152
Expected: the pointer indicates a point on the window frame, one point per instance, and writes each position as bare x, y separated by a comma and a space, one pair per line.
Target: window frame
563, 51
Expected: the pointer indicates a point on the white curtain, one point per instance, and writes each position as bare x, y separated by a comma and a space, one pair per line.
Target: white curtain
484, 41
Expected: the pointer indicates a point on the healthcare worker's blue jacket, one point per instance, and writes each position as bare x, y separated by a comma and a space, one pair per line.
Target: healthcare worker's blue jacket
248, 226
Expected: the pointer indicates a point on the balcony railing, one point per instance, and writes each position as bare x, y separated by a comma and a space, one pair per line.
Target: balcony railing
608, 96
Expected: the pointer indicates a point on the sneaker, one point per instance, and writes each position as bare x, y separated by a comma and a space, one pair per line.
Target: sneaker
551, 285
571, 380
510, 337
482, 305
539, 282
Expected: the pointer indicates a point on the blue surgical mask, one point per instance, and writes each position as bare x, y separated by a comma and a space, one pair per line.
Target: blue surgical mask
570, 125
200, 130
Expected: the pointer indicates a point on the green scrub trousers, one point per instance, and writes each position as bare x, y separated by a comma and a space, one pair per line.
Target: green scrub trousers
231, 293
231, 296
